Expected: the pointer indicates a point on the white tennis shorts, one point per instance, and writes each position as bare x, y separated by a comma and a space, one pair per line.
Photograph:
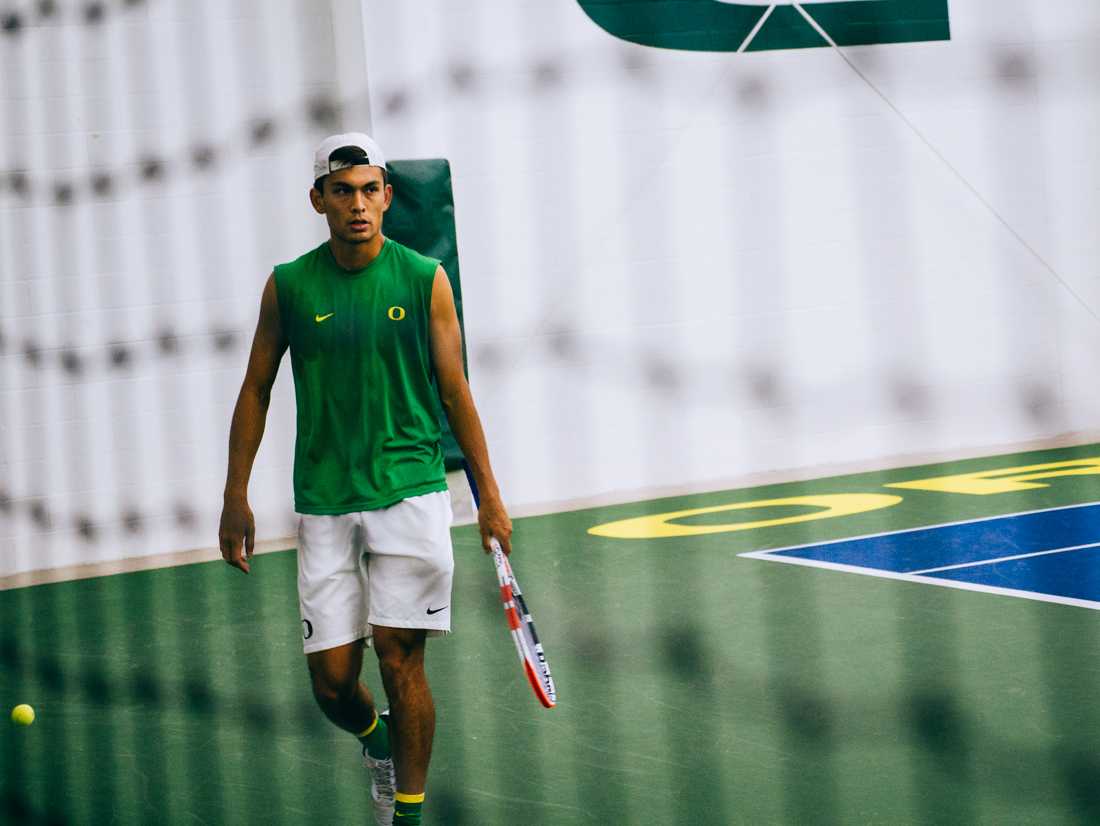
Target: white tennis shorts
390, 567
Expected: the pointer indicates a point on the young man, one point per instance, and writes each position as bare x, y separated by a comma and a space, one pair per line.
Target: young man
368, 323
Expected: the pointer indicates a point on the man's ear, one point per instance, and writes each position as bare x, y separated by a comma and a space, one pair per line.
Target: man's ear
389, 197
317, 199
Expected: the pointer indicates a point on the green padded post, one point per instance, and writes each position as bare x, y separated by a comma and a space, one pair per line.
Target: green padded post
422, 217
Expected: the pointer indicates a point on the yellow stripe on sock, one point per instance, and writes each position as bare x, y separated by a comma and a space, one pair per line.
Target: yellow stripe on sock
401, 797
369, 728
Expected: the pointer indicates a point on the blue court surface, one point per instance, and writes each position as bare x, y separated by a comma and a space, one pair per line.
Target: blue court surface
1051, 555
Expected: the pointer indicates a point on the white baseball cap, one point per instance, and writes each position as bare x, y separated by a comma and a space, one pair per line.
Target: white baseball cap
322, 164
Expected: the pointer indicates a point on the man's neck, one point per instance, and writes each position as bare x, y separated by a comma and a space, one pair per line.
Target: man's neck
353, 257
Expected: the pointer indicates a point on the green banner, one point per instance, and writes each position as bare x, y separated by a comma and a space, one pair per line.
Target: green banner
715, 26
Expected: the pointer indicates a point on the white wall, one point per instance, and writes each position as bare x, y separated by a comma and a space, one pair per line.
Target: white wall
677, 267
101, 459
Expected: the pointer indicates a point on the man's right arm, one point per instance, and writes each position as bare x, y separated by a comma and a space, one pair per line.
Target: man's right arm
237, 532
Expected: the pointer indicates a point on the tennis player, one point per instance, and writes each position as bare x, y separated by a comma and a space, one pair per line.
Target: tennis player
368, 323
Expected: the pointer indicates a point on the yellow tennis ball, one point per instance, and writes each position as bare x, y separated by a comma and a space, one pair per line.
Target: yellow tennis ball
22, 715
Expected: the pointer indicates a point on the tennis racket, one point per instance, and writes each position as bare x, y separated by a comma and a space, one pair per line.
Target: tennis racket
520, 624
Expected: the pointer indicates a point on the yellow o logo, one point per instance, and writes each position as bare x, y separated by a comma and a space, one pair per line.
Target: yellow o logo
661, 525
396, 313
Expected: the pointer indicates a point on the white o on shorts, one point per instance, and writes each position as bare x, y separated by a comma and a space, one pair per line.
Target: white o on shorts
390, 567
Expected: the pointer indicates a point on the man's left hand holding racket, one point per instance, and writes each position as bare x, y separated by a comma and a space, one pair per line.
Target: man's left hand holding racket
492, 520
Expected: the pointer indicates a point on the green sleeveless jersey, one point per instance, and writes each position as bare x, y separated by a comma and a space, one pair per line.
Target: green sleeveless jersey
368, 435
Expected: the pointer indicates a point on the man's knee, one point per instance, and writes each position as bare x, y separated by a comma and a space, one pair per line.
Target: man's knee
333, 691
400, 651
334, 676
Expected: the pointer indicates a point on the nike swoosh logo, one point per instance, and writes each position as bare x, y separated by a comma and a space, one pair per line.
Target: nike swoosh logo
437, 610
320, 318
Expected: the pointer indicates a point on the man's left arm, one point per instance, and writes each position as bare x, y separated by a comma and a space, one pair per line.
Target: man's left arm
458, 404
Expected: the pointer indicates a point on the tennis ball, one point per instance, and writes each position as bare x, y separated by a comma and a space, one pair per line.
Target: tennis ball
22, 715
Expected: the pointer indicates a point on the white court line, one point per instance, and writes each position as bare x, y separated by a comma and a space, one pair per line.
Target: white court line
1004, 559
927, 580
755, 29
1046, 265
921, 577
921, 528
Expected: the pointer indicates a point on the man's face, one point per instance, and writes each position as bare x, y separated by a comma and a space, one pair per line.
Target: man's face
353, 202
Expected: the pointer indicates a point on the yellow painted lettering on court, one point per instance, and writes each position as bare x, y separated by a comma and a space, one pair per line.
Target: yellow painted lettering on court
661, 525
1003, 480
396, 313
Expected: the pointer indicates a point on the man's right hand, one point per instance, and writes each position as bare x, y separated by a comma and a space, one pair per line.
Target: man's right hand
237, 533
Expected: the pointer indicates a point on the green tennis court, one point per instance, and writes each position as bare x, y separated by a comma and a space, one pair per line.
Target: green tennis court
695, 685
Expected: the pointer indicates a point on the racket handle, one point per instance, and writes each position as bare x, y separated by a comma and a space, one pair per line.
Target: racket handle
500, 561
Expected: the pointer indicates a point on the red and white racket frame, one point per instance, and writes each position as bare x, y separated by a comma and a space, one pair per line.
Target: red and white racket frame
522, 627
531, 656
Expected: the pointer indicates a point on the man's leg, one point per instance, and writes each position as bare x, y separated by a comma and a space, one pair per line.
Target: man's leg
348, 704
337, 689
401, 660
